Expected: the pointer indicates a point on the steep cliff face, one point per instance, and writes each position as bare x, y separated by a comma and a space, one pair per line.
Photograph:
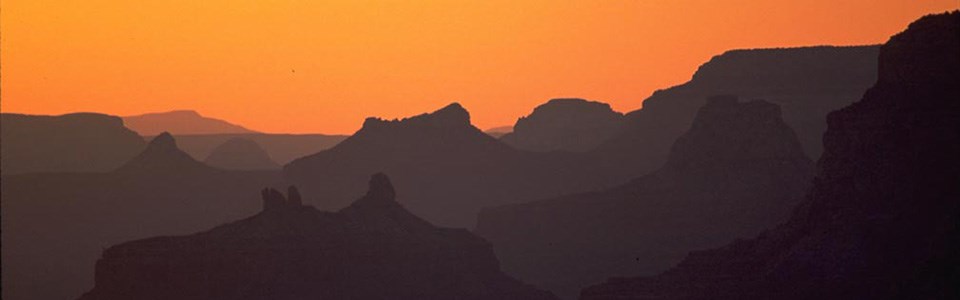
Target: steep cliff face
240, 154
738, 170
807, 83
882, 220
372, 249
574, 125
82, 142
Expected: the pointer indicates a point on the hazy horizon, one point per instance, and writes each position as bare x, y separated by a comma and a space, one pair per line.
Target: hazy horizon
324, 67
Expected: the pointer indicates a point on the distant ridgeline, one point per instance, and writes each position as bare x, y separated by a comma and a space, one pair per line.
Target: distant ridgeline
94, 183
181, 122
451, 169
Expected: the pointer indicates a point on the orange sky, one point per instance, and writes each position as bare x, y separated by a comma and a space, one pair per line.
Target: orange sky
320, 66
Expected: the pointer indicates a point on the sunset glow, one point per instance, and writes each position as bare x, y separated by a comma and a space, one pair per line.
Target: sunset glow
323, 66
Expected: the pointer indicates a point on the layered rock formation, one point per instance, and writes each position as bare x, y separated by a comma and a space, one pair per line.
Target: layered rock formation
240, 154
372, 249
738, 170
449, 167
180, 122
81, 142
882, 220
575, 125
807, 83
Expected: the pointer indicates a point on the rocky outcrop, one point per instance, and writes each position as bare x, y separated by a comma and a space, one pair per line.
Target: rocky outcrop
882, 219
372, 249
81, 142
180, 122
574, 125
807, 83
163, 157
449, 168
737, 171
240, 154
274, 200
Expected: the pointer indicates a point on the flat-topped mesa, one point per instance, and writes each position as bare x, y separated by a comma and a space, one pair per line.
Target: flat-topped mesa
181, 122
79, 142
450, 116
273, 200
565, 124
765, 68
727, 130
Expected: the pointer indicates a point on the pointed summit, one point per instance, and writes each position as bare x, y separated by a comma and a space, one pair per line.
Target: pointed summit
379, 209
162, 155
452, 114
164, 141
380, 188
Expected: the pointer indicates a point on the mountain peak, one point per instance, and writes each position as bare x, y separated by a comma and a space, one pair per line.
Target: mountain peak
381, 188
163, 155
565, 124
164, 141
726, 129
453, 114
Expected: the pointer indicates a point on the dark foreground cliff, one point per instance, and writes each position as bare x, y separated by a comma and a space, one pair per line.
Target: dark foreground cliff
882, 220
372, 249
737, 171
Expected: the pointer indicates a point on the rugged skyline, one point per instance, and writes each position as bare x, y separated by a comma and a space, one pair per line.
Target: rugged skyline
813, 172
321, 67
